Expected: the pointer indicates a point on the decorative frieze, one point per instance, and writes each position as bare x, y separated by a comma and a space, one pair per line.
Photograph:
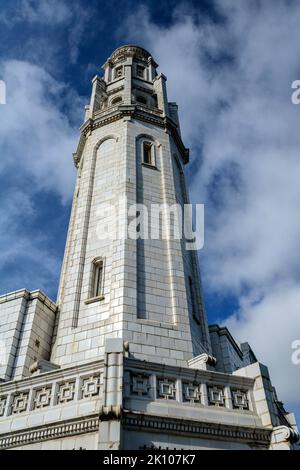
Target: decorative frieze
66, 392
140, 385
20, 402
90, 386
42, 397
199, 429
240, 399
191, 392
216, 396
166, 389
194, 392
47, 394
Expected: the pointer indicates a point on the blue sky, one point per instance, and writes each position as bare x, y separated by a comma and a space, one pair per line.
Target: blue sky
230, 66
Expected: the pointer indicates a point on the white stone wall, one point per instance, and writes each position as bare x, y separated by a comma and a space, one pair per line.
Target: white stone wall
146, 299
26, 328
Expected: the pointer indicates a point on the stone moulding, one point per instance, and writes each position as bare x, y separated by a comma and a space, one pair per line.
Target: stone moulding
130, 50
33, 295
190, 374
51, 376
51, 431
133, 111
132, 421
111, 412
55, 387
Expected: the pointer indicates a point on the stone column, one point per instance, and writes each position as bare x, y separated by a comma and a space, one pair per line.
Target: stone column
110, 435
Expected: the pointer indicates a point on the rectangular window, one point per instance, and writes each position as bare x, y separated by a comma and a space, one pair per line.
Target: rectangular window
147, 157
118, 72
97, 287
140, 71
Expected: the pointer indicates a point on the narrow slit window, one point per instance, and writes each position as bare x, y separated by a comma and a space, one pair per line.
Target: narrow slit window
148, 153
98, 278
192, 297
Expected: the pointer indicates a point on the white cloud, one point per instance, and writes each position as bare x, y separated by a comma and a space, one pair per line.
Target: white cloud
68, 19
232, 81
272, 325
52, 12
38, 133
35, 134
21, 246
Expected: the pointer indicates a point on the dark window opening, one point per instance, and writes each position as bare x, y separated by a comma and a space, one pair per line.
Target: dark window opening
118, 72
98, 278
116, 100
147, 153
193, 303
141, 99
140, 71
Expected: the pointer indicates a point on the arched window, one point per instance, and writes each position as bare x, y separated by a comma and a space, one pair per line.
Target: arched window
141, 99
116, 100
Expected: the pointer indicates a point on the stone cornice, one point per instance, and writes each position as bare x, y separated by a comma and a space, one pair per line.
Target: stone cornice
135, 112
130, 50
36, 294
56, 430
189, 374
182, 427
49, 376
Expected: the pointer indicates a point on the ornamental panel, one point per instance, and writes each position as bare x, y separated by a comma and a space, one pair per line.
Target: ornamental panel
166, 389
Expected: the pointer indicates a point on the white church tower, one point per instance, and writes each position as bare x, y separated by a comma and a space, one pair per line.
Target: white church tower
125, 358
146, 292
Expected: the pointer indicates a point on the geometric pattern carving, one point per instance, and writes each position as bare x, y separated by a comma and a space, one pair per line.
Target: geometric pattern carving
66, 392
140, 384
240, 399
90, 386
20, 402
166, 389
42, 397
3, 401
216, 396
191, 392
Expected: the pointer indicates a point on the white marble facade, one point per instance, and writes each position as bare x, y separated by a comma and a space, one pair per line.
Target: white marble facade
125, 358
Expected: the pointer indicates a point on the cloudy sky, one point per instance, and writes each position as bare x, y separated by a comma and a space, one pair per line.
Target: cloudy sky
230, 66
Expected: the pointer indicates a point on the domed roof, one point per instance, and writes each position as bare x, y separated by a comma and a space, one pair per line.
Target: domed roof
130, 50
